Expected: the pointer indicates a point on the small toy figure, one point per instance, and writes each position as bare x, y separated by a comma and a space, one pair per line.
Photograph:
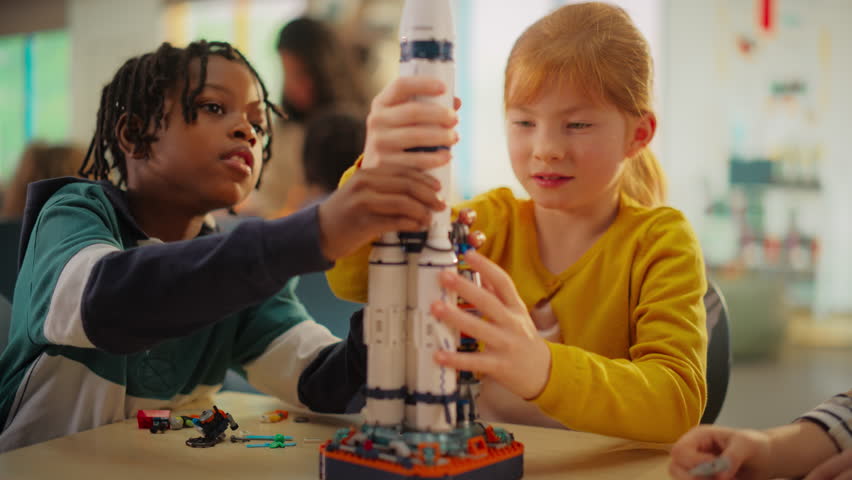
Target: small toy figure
465, 240
212, 424
274, 416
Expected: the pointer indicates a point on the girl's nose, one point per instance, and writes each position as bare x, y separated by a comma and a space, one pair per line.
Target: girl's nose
547, 150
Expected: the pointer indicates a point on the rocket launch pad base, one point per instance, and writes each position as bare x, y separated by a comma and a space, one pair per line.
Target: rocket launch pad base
460, 455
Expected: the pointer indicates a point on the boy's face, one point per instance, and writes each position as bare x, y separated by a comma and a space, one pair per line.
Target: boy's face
216, 161
567, 150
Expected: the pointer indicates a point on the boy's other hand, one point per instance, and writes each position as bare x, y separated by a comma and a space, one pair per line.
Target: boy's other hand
746, 450
374, 201
838, 467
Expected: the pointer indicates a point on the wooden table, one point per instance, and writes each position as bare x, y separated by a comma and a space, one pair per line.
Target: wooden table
123, 451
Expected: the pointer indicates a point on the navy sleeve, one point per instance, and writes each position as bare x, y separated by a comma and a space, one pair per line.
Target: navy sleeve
139, 297
330, 382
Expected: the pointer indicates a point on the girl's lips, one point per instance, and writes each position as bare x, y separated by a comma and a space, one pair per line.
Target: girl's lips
551, 181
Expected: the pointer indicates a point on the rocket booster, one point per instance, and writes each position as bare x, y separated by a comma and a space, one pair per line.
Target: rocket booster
427, 38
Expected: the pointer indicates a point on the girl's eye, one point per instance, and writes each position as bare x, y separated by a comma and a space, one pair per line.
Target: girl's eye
578, 125
524, 123
213, 108
259, 128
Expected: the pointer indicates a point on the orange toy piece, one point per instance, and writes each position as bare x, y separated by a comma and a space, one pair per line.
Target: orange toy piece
274, 416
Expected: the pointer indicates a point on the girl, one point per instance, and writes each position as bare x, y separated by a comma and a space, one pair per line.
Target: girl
603, 329
127, 300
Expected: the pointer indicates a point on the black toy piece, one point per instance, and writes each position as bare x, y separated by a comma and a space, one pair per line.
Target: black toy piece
212, 424
159, 425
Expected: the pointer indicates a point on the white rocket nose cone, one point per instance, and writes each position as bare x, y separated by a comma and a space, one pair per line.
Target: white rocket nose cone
427, 19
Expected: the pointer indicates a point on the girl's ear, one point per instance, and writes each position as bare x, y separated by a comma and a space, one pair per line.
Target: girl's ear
641, 133
130, 149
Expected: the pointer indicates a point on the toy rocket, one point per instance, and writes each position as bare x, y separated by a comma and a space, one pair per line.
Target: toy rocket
420, 418
404, 385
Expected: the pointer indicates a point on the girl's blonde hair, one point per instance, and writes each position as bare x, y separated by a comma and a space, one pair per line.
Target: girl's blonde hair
597, 48
39, 161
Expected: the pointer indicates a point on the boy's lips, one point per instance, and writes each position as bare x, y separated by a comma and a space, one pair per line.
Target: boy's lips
242, 153
239, 159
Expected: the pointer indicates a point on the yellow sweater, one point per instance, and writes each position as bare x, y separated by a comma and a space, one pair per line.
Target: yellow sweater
630, 311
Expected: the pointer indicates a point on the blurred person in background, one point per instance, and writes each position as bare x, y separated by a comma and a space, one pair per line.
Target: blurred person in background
334, 139
320, 73
39, 161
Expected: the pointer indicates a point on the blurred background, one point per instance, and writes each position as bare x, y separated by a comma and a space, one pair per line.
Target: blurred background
754, 109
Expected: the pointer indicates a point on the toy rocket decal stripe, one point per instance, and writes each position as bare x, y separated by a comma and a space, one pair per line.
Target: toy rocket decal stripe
426, 50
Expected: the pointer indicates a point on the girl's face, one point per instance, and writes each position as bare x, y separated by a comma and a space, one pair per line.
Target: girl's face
567, 150
216, 161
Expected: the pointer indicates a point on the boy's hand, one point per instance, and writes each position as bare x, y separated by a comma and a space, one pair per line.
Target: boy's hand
515, 354
374, 201
397, 122
838, 467
746, 450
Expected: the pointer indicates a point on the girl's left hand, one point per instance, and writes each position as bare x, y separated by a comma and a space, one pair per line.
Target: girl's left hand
838, 467
515, 355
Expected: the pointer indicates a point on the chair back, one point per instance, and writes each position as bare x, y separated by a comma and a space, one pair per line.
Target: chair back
10, 237
718, 352
5, 322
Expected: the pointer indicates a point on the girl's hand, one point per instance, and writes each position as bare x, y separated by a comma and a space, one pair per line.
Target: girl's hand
397, 122
838, 467
746, 450
514, 355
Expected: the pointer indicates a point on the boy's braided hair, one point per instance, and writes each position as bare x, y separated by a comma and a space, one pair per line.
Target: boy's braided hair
138, 90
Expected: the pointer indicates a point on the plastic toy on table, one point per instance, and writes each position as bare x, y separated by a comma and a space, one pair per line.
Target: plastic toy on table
154, 420
274, 416
213, 425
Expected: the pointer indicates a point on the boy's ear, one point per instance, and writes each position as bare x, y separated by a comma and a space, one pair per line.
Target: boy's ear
129, 149
642, 133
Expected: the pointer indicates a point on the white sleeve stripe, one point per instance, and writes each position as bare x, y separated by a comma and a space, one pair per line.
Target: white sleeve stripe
835, 416
825, 417
276, 371
63, 324
842, 435
842, 401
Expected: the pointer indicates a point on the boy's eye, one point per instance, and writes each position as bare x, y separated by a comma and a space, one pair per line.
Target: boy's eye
524, 123
578, 125
213, 108
258, 128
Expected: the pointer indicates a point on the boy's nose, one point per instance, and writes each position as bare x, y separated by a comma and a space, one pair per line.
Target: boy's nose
244, 131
